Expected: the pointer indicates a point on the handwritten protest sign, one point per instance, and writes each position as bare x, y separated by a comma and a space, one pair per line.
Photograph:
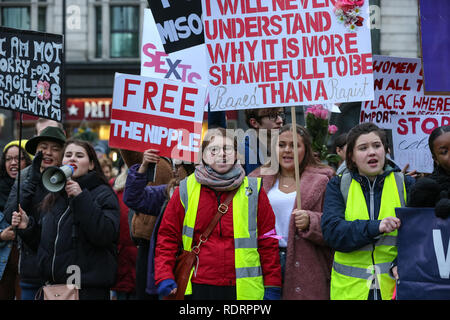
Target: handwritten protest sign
179, 23
186, 65
156, 113
31, 67
286, 52
410, 139
398, 84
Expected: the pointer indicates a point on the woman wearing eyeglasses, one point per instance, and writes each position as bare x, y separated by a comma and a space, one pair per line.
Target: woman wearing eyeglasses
240, 259
9, 254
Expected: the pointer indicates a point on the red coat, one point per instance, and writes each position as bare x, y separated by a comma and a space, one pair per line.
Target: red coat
216, 259
127, 252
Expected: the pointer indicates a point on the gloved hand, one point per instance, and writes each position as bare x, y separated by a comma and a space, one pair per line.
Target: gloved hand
272, 293
36, 167
165, 287
424, 193
442, 208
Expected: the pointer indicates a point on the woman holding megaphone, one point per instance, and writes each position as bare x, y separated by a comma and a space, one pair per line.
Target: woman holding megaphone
77, 236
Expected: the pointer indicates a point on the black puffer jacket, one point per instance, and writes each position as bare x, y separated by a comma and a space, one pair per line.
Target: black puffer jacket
433, 191
82, 232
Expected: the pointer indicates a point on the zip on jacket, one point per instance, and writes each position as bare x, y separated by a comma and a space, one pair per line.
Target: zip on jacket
56, 241
372, 217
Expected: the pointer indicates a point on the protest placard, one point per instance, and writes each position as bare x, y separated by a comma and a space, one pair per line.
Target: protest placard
398, 84
151, 113
423, 260
186, 65
286, 52
410, 139
31, 68
179, 23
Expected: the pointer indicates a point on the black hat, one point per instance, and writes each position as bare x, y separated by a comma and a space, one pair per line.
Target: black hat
54, 134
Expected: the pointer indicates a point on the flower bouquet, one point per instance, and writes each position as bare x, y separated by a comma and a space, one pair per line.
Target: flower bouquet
316, 120
348, 12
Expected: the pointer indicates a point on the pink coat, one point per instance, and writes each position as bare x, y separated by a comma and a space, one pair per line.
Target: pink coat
308, 258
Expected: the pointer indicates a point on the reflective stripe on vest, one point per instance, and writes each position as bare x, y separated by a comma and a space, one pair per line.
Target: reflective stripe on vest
355, 273
249, 280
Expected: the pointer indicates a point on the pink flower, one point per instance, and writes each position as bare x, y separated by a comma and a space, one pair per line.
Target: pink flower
332, 129
317, 113
323, 114
42, 90
350, 3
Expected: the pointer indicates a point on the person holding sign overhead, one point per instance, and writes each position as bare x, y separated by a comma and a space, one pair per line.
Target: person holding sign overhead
305, 259
239, 259
359, 219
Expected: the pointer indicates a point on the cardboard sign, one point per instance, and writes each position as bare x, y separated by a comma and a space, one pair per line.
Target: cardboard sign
398, 84
31, 68
150, 113
423, 260
284, 52
410, 140
187, 65
179, 23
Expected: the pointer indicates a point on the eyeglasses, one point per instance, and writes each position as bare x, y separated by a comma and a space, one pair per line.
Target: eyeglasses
274, 116
215, 150
16, 159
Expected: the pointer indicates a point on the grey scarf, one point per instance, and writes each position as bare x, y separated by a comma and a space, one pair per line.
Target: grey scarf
231, 180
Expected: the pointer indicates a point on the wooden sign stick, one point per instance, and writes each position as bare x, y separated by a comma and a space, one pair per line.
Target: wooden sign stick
297, 170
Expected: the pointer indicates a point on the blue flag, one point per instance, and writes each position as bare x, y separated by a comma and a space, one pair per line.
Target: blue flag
423, 255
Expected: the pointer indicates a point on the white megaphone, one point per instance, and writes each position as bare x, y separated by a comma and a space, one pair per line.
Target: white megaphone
54, 178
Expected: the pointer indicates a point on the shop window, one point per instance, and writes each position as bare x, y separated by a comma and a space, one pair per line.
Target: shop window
124, 32
117, 28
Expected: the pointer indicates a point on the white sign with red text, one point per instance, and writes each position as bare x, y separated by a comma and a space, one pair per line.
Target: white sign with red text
410, 139
286, 52
398, 84
158, 114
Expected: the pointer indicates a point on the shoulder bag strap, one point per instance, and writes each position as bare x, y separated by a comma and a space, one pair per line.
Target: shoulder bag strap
221, 210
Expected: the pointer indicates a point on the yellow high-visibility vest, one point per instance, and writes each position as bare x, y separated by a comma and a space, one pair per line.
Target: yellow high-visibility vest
355, 273
249, 279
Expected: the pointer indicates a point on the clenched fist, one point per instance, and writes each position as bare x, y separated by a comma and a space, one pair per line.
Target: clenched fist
301, 219
20, 219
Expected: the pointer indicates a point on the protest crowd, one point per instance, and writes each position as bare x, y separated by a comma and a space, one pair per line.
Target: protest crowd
126, 232
196, 209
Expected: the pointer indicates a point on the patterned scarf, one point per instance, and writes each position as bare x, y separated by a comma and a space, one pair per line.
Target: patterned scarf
231, 180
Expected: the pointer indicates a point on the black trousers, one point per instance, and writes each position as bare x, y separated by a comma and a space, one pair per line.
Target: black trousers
141, 271
210, 292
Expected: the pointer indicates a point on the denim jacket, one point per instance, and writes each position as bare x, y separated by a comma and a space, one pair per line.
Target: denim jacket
5, 246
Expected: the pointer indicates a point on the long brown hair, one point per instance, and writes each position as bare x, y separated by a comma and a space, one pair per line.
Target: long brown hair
92, 155
355, 133
50, 199
308, 159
